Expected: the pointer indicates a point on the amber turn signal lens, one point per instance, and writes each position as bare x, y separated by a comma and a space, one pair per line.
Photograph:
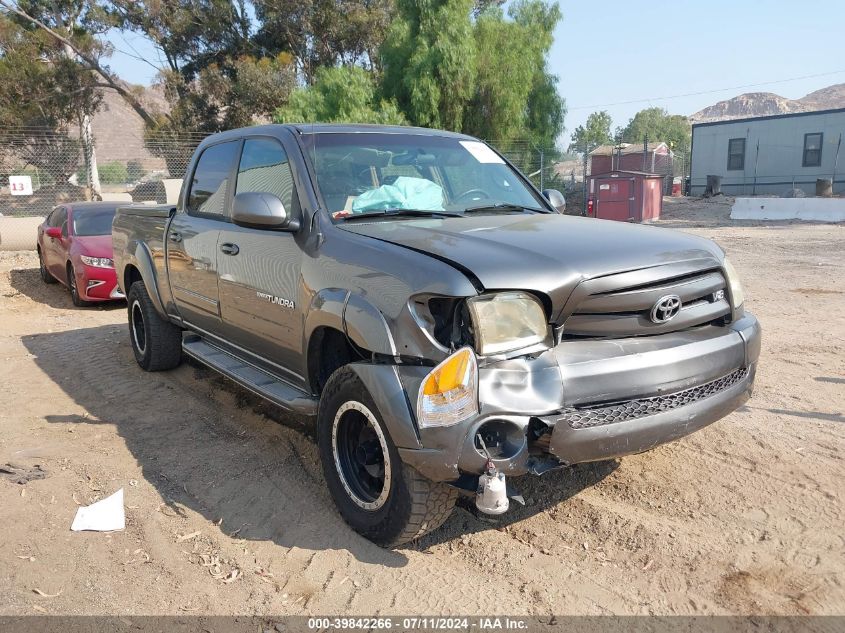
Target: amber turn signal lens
449, 393
450, 375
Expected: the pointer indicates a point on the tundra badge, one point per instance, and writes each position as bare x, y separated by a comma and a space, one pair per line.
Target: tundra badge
279, 301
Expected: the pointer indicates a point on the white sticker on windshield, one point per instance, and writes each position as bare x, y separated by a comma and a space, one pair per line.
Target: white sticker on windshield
481, 152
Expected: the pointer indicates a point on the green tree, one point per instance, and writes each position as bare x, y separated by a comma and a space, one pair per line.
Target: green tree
447, 70
429, 61
515, 96
323, 32
76, 28
546, 109
45, 92
190, 34
211, 77
656, 124
503, 81
345, 94
595, 132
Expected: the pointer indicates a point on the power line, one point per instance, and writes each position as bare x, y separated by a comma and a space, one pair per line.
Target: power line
704, 92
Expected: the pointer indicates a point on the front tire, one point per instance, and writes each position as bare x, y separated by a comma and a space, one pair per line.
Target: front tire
78, 301
46, 277
156, 343
379, 496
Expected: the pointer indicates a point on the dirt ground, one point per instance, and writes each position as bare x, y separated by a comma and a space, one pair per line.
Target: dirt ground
227, 512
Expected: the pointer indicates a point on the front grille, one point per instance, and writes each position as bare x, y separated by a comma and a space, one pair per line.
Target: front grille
611, 310
589, 417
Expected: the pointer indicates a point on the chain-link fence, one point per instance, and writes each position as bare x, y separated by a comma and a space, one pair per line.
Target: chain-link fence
41, 168
775, 169
546, 168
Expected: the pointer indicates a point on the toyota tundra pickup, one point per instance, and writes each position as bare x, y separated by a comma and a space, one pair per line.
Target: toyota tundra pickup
440, 321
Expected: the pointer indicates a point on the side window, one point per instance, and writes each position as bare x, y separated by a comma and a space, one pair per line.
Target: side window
812, 150
736, 153
264, 168
61, 219
54, 219
211, 179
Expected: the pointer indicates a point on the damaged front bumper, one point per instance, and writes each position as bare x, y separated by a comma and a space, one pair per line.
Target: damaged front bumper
588, 400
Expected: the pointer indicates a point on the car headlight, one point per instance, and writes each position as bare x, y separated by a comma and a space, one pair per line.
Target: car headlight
734, 286
99, 262
449, 393
507, 321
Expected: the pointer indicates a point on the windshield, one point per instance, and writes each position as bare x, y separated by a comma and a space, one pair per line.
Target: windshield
363, 173
90, 222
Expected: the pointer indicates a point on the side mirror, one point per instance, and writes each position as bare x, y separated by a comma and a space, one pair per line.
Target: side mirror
259, 210
556, 199
54, 232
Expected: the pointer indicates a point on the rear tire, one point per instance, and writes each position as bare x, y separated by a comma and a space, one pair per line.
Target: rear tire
156, 343
379, 496
78, 301
46, 277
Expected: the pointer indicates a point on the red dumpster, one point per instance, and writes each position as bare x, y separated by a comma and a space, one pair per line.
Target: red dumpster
628, 196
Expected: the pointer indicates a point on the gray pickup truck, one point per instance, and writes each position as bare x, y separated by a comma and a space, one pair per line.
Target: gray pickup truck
435, 316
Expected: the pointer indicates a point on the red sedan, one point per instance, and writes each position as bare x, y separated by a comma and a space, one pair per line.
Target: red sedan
74, 247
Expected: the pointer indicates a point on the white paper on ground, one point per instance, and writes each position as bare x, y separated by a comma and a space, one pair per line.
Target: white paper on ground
481, 152
104, 516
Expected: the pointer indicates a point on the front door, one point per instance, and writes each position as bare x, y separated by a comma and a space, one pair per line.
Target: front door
259, 270
193, 236
614, 198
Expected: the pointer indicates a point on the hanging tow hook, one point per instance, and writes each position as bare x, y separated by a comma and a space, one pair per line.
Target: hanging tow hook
492, 494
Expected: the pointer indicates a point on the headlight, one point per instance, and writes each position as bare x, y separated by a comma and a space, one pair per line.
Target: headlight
737, 295
449, 393
99, 262
507, 321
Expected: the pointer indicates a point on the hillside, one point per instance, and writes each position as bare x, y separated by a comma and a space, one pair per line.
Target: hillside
119, 131
753, 104
825, 98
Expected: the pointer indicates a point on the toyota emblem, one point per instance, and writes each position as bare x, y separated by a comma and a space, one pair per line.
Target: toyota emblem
666, 308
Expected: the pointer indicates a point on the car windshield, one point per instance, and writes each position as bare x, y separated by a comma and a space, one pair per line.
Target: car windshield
92, 221
374, 173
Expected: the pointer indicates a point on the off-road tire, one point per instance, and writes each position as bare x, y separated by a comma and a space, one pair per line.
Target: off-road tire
414, 506
77, 300
46, 277
156, 343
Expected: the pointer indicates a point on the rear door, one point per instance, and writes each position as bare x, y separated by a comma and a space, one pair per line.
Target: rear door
45, 242
193, 235
614, 198
55, 249
259, 269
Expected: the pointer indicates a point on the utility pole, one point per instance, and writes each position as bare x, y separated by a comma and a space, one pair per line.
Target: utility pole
586, 159
645, 152
541, 169
756, 159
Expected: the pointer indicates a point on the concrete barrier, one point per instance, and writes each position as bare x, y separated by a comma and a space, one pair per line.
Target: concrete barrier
810, 209
19, 234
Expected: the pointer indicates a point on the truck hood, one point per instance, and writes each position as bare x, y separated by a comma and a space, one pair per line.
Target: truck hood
548, 254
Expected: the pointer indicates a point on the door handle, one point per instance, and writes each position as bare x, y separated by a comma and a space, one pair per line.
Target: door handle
175, 237
227, 248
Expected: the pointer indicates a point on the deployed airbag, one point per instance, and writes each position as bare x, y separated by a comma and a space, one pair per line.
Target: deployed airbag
405, 193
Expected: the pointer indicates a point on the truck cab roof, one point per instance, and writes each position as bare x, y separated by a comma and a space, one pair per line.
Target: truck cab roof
307, 129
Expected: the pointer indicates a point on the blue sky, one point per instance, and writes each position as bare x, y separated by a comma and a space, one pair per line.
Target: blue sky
611, 52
